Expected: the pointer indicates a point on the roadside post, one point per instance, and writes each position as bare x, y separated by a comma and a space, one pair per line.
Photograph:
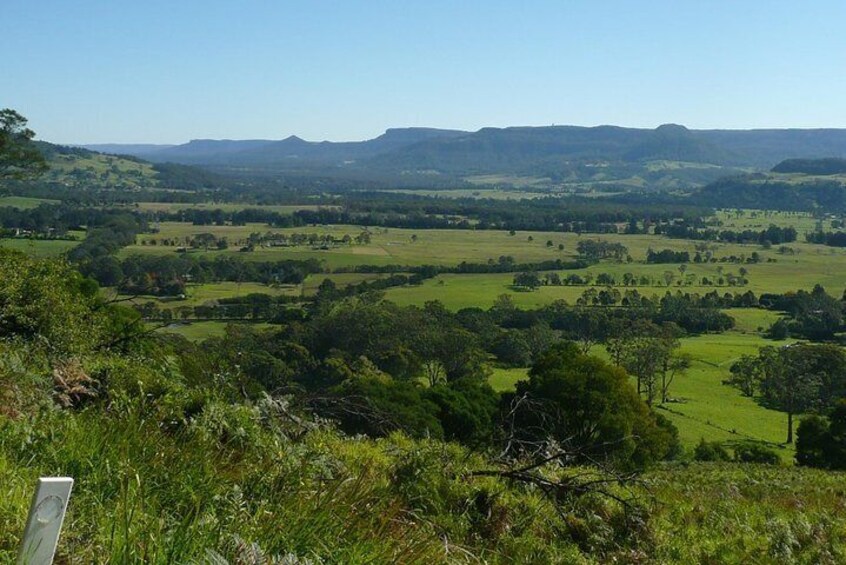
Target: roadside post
44, 523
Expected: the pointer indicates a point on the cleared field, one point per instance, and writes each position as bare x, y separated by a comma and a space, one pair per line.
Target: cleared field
24, 202
198, 331
388, 246
199, 294
102, 171
224, 206
395, 246
759, 220
492, 193
38, 247
813, 266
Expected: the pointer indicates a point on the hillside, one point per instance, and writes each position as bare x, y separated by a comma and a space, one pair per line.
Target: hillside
77, 167
830, 166
776, 191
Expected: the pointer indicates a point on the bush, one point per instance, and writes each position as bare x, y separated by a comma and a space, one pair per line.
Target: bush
821, 442
812, 439
466, 410
375, 407
710, 451
755, 453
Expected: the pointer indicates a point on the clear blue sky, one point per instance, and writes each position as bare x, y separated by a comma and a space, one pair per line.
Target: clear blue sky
89, 71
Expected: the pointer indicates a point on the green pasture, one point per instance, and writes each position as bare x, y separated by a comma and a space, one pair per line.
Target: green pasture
39, 247
491, 193
199, 294
223, 206
198, 331
814, 265
758, 220
388, 246
24, 202
449, 247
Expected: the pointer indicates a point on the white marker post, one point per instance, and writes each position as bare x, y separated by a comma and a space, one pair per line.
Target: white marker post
44, 523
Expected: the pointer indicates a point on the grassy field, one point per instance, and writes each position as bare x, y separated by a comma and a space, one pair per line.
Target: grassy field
450, 247
388, 246
789, 274
39, 248
759, 220
24, 202
492, 193
198, 331
224, 206
198, 294
808, 265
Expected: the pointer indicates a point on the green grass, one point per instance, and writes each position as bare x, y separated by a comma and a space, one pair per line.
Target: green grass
758, 220
198, 294
389, 246
24, 202
199, 331
39, 248
708, 408
504, 379
813, 265
224, 206
810, 265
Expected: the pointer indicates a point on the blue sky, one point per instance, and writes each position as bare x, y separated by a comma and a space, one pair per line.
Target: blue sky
87, 71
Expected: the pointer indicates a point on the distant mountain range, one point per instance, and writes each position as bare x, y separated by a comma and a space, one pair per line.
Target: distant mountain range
555, 153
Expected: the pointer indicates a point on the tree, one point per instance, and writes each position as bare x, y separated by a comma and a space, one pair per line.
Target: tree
813, 442
539, 338
818, 315
788, 382
19, 156
745, 374
588, 406
675, 364
512, 348
590, 327
466, 410
528, 279
645, 359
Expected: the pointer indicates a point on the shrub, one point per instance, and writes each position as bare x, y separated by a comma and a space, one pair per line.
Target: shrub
756, 453
710, 451
466, 410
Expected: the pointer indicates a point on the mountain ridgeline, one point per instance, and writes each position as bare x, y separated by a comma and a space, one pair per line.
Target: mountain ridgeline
513, 150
